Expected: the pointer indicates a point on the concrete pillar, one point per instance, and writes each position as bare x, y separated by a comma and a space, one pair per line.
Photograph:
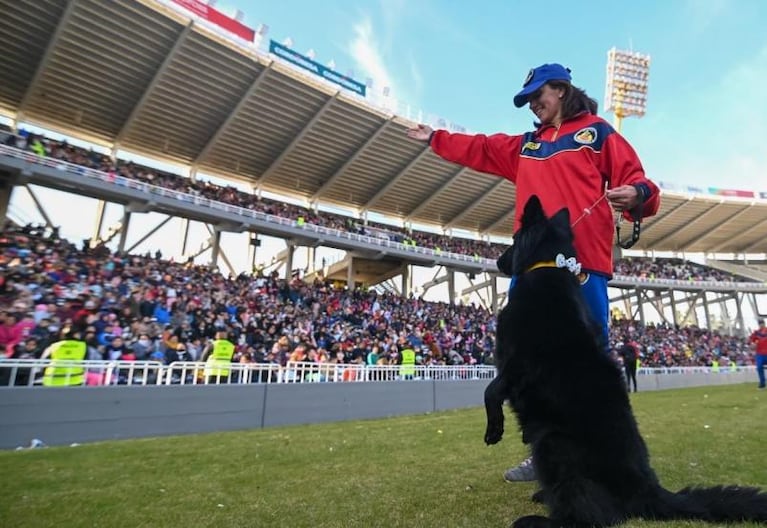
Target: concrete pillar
450, 286
291, 249
705, 311
673, 307
124, 230
640, 306
6, 190
350, 274
216, 247
407, 281
741, 323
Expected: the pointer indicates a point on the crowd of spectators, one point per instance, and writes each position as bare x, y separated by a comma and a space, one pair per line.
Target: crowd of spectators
636, 267
666, 345
670, 268
140, 307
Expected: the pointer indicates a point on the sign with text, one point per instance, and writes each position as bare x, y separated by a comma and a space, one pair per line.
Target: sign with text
214, 16
316, 68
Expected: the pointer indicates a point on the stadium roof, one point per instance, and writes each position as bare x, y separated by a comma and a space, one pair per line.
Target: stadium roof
146, 78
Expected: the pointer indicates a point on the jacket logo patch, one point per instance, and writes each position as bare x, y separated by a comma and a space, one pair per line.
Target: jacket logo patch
586, 136
531, 145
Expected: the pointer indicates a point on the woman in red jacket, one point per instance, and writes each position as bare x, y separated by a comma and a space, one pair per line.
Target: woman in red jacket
572, 159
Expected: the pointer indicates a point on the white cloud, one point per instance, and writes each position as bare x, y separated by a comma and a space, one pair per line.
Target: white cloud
369, 57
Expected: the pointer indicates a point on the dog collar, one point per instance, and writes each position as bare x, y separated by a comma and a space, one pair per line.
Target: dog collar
544, 264
560, 262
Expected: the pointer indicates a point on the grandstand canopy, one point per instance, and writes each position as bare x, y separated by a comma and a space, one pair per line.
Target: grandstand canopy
145, 78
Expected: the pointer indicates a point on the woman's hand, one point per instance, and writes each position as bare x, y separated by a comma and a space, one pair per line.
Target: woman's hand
420, 132
623, 198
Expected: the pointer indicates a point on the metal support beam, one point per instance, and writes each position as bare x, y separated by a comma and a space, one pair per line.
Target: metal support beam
99, 223
260, 78
473, 205
351, 159
754, 245
150, 233
151, 86
435, 281
478, 286
6, 191
436, 192
393, 181
216, 236
185, 236
407, 280
124, 231
39, 206
688, 225
296, 140
714, 229
47, 56
350, 273
289, 261
203, 248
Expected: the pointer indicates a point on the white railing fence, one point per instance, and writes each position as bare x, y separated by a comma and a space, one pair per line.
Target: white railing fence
30, 372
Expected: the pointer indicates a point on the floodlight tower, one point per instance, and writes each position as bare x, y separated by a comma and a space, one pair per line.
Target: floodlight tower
626, 89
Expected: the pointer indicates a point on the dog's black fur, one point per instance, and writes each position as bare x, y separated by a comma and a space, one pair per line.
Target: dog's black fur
571, 402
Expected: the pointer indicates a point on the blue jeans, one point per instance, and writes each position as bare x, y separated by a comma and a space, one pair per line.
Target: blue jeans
595, 293
761, 364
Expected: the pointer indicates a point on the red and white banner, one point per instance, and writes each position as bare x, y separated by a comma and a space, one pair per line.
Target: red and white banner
216, 17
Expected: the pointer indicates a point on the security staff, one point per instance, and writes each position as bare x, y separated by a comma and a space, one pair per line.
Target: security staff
218, 359
69, 349
407, 366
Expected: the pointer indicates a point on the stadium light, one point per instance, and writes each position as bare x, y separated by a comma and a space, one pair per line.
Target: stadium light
626, 89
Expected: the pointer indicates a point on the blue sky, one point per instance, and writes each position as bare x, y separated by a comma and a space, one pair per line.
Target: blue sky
706, 122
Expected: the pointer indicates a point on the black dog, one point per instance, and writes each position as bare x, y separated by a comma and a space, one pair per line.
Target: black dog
571, 402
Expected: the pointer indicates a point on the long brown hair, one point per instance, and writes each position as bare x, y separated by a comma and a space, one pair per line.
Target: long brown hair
574, 100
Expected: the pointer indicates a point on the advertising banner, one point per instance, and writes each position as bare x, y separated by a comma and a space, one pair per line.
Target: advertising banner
316, 68
216, 17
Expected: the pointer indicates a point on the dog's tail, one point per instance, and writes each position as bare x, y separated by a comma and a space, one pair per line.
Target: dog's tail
715, 504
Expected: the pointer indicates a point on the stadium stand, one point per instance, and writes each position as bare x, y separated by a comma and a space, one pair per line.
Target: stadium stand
674, 269
144, 308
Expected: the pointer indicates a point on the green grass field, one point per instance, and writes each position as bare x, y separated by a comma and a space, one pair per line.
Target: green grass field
419, 471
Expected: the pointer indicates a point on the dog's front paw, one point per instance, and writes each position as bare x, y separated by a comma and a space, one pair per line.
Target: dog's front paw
493, 433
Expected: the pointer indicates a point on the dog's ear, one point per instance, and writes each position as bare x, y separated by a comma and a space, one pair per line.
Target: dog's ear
561, 217
533, 212
561, 222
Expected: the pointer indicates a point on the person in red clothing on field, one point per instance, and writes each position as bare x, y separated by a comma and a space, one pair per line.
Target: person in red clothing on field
572, 159
759, 340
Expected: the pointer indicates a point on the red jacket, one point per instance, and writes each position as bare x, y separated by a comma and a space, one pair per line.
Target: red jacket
566, 166
759, 338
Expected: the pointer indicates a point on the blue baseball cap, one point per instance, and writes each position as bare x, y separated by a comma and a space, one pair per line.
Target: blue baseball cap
538, 77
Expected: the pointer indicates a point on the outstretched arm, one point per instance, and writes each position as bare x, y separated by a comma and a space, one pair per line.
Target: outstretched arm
497, 154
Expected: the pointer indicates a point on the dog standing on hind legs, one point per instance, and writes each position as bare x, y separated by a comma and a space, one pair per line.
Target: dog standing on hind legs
571, 402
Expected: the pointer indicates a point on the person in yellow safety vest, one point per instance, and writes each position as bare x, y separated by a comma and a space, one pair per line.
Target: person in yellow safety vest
218, 359
38, 148
59, 374
715, 366
407, 365
300, 221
